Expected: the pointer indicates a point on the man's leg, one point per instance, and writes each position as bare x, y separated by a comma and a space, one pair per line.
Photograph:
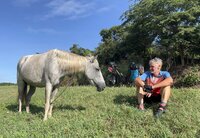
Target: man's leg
165, 94
140, 97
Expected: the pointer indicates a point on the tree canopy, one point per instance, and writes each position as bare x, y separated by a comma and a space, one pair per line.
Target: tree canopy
169, 29
80, 51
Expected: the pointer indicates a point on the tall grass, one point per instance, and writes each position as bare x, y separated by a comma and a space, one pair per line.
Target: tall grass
83, 112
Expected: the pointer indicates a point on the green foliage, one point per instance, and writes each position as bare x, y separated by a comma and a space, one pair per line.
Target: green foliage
80, 51
109, 49
164, 28
170, 23
83, 112
190, 77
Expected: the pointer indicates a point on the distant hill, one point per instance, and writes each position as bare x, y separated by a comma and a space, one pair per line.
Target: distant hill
7, 84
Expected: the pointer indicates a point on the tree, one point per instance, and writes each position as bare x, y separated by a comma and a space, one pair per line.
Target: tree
109, 48
80, 51
171, 24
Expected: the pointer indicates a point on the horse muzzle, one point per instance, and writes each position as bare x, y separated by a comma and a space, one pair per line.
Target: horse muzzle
101, 87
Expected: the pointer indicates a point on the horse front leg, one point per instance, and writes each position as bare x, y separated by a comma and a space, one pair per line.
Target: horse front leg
20, 96
48, 90
53, 94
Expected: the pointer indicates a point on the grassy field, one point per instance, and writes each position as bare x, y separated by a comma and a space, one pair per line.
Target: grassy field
83, 112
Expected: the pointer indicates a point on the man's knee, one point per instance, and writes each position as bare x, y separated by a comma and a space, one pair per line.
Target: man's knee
166, 89
139, 90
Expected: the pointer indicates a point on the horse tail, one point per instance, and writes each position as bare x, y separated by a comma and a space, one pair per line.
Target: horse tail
22, 91
22, 85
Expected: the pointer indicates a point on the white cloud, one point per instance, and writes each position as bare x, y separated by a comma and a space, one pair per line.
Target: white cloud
43, 30
73, 9
104, 9
70, 9
24, 2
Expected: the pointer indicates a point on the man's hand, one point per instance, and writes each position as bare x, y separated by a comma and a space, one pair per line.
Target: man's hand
147, 88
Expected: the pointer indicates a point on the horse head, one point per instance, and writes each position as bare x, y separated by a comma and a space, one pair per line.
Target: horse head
93, 72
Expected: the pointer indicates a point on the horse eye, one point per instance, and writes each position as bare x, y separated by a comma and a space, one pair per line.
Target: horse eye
97, 69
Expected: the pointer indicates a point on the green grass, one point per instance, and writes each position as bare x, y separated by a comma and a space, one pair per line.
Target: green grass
83, 112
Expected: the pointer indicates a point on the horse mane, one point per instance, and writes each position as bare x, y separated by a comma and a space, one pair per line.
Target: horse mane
69, 62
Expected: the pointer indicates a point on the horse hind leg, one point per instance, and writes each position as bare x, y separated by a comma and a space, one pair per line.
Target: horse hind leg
22, 90
53, 94
28, 97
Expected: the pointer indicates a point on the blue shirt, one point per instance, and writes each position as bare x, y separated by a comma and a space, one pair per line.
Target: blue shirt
149, 79
148, 75
134, 74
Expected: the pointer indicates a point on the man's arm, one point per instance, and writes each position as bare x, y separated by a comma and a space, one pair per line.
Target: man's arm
139, 82
166, 82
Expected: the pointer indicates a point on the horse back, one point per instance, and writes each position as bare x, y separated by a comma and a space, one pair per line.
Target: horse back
31, 69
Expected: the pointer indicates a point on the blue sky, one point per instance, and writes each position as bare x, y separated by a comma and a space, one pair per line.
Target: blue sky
30, 26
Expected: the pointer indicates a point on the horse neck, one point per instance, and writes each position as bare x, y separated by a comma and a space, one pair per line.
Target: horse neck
73, 64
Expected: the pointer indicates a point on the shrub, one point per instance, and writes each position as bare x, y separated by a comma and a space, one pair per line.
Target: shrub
190, 76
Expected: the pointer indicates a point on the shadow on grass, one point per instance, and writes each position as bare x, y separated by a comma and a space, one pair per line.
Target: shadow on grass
34, 109
132, 101
39, 111
69, 107
124, 99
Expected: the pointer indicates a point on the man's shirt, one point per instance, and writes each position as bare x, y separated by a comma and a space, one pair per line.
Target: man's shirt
149, 79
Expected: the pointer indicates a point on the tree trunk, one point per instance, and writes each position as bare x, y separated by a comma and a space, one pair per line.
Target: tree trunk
182, 60
182, 57
192, 60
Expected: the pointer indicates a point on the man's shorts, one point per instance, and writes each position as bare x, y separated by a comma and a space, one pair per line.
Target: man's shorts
156, 92
152, 99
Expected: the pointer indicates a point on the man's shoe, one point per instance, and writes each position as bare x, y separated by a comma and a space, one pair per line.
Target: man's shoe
160, 111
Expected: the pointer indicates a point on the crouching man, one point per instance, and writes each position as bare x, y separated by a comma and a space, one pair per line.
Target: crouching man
154, 84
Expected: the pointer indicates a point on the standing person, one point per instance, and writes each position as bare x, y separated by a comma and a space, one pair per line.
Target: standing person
154, 84
112, 73
141, 69
133, 72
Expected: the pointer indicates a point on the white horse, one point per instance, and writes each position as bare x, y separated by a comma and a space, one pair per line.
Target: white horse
48, 69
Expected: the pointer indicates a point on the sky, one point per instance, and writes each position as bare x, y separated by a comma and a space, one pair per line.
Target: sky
31, 26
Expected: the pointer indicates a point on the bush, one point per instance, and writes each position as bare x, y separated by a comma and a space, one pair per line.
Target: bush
189, 77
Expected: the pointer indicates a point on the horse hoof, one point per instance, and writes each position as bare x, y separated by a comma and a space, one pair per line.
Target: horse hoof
45, 119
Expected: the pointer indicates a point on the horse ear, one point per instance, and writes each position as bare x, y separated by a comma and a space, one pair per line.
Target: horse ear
96, 56
92, 58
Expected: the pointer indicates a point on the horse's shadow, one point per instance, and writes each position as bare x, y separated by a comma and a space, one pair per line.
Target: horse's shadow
69, 107
35, 109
